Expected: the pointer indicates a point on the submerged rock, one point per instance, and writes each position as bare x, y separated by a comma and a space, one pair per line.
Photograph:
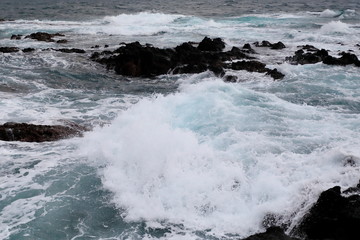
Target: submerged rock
256, 66
70, 50
333, 217
62, 41
16, 37
26, 50
9, 49
43, 36
38, 133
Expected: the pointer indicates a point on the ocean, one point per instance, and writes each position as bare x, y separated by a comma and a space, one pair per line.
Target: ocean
176, 157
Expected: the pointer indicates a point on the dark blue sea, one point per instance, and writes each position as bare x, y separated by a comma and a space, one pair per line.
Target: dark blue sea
176, 157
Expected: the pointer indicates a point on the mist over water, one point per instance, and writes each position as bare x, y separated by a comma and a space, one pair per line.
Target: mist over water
176, 156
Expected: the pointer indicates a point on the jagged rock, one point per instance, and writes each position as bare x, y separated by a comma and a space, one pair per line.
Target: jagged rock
345, 59
248, 49
70, 50
263, 44
275, 74
16, 37
38, 133
45, 37
311, 56
136, 60
278, 45
309, 48
272, 233
333, 217
207, 44
9, 49
26, 50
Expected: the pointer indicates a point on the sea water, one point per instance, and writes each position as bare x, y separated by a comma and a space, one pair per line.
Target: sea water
175, 157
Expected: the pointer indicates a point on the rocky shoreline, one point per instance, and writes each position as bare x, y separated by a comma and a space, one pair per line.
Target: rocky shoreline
335, 215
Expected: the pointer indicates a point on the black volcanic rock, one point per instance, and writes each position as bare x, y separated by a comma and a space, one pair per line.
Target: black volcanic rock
275, 74
62, 41
26, 50
70, 50
272, 233
310, 56
248, 49
43, 36
136, 60
278, 45
9, 49
333, 217
207, 44
256, 66
16, 37
38, 133
345, 59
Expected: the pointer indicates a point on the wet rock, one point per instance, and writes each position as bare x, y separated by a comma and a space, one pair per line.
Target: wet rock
250, 66
353, 190
96, 46
309, 56
263, 44
9, 49
309, 48
43, 36
333, 217
248, 49
136, 60
207, 44
345, 59
38, 133
275, 74
230, 78
26, 50
70, 50
278, 45
62, 41
16, 37
272, 233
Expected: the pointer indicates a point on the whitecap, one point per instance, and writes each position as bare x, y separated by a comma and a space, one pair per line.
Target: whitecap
335, 27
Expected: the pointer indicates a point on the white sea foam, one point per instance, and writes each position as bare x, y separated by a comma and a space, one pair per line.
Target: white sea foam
219, 156
329, 13
335, 27
143, 23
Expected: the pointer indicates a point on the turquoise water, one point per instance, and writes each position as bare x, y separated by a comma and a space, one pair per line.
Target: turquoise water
174, 157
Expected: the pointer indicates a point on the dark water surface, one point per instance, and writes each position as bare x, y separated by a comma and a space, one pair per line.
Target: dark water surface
88, 9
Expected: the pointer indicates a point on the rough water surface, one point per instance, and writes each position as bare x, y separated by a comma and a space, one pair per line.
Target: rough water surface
175, 156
